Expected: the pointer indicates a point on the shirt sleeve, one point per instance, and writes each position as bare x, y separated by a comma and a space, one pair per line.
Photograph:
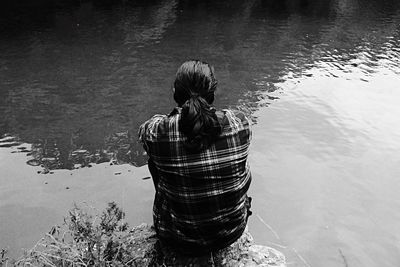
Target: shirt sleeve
245, 122
142, 134
147, 128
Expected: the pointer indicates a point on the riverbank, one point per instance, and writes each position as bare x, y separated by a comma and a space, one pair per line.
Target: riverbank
90, 238
240, 254
31, 202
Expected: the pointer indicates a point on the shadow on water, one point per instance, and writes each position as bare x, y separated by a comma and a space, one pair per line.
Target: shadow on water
78, 77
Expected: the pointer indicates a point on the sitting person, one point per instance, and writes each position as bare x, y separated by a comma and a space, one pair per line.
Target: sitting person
198, 162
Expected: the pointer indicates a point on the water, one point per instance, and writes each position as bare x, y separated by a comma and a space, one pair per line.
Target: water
318, 78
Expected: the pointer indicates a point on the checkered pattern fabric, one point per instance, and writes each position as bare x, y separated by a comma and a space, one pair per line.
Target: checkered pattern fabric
201, 199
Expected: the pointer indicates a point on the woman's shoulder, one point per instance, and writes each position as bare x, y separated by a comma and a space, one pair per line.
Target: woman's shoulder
234, 123
232, 116
157, 119
157, 126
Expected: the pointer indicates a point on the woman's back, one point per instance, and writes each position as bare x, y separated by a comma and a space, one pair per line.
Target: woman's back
201, 197
201, 175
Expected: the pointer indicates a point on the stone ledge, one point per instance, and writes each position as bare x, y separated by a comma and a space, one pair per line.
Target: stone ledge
146, 252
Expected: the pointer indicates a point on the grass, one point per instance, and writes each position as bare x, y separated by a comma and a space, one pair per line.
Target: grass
86, 238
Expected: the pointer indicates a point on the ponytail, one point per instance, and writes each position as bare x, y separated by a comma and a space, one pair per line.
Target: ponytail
199, 123
194, 92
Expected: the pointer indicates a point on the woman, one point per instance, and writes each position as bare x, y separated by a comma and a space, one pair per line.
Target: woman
198, 161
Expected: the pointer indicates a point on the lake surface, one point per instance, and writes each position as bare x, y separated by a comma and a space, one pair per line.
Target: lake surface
320, 80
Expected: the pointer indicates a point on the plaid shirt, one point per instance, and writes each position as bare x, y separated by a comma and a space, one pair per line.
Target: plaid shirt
201, 201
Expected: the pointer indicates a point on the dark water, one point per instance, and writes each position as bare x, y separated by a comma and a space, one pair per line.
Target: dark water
75, 75
77, 78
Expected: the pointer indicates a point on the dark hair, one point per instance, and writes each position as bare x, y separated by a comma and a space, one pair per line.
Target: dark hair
195, 85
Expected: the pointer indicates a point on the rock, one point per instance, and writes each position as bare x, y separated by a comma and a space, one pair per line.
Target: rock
147, 251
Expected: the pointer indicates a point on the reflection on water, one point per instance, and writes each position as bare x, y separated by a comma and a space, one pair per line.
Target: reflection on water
78, 78
96, 68
118, 148
328, 166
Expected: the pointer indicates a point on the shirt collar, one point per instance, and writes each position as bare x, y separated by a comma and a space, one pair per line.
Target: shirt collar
176, 110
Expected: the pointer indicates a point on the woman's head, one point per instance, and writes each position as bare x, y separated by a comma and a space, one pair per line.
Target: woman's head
194, 89
194, 78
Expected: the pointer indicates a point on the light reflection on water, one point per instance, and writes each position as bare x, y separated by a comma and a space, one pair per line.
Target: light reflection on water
318, 78
328, 163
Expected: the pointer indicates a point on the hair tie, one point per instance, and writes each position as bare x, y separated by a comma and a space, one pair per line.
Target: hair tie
194, 95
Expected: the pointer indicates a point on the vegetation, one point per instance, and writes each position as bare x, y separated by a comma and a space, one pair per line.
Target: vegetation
88, 238
84, 239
